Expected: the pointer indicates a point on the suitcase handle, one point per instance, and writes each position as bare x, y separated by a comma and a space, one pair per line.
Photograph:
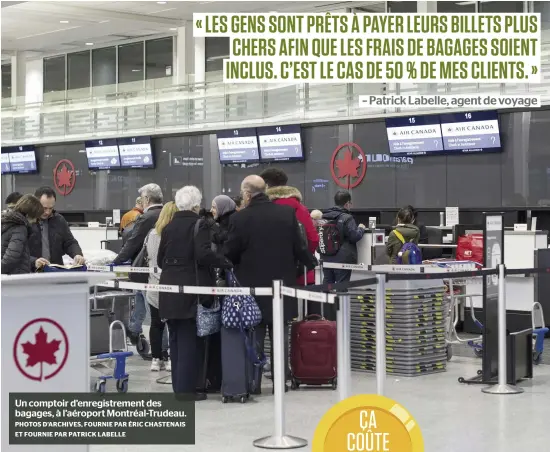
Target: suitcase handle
314, 316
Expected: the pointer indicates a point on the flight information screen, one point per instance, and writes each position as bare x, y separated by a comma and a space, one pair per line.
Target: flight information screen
414, 135
280, 143
22, 160
238, 146
136, 152
102, 154
476, 131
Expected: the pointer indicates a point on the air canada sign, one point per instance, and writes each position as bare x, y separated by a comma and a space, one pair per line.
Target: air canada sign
64, 177
348, 165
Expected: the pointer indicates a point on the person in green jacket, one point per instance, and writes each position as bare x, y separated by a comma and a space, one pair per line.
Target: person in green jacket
405, 231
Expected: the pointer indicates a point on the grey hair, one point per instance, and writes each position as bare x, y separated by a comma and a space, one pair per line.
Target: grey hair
151, 191
188, 198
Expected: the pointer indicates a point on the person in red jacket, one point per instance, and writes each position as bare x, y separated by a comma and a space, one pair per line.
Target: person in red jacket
280, 193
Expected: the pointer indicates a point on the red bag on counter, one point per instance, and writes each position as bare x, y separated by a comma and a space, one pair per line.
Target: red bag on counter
470, 248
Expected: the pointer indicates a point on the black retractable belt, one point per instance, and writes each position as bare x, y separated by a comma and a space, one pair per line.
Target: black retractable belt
526, 271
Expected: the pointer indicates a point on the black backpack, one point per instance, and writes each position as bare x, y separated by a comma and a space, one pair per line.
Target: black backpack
330, 237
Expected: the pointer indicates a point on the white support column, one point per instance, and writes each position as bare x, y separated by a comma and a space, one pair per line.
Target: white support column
26, 79
200, 77
34, 81
18, 75
184, 54
200, 60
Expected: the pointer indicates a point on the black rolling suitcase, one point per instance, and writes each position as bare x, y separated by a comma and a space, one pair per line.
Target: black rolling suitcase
240, 373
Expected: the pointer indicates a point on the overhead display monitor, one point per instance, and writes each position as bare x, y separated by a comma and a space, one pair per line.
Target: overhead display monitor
136, 152
6, 168
414, 135
22, 160
102, 154
238, 146
476, 131
280, 143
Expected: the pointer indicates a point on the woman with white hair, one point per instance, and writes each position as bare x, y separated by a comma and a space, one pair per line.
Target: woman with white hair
186, 258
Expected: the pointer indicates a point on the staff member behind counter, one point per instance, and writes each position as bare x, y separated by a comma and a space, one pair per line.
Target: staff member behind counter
51, 238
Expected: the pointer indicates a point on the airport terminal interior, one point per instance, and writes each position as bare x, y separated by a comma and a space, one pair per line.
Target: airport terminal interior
100, 99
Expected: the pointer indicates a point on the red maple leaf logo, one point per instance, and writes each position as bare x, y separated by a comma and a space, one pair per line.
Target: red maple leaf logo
64, 177
41, 351
348, 166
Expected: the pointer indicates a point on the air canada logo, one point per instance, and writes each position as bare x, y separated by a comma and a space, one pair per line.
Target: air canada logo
41, 349
348, 165
64, 177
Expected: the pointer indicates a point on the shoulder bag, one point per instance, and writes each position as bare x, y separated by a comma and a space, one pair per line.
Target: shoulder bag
239, 311
209, 319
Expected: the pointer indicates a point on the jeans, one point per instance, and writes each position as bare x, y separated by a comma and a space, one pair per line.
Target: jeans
138, 314
184, 356
330, 276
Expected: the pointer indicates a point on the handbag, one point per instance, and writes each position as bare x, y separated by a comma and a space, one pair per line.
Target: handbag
209, 319
239, 311
141, 260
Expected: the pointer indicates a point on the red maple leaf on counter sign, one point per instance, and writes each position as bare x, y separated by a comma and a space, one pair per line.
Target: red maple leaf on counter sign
41, 351
64, 177
348, 166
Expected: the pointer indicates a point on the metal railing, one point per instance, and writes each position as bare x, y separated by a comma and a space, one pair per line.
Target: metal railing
157, 108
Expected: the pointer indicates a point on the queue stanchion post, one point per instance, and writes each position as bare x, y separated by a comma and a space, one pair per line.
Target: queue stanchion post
502, 387
380, 333
343, 346
279, 440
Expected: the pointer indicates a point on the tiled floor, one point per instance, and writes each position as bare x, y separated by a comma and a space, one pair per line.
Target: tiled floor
453, 417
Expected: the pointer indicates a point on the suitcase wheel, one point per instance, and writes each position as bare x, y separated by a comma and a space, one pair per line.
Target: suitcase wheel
225, 399
334, 384
243, 399
294, 384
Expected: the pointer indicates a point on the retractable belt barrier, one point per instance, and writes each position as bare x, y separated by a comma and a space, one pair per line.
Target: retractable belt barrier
335, 294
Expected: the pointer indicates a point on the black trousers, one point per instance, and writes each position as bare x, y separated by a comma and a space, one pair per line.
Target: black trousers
261, 330
209, 359
184, 355
155, 333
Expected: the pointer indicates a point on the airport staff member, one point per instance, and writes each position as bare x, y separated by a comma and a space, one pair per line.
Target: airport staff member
51, 238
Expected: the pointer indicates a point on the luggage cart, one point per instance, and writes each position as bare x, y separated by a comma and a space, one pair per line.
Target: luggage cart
142, 345
455, 300
114, 361
539, 331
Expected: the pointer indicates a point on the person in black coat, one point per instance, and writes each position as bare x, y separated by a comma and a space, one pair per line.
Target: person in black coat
16, 228
51, 236
264, 244
151, 199
186, 259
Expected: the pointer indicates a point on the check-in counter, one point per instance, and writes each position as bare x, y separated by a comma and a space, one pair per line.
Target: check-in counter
90, 238
519, 252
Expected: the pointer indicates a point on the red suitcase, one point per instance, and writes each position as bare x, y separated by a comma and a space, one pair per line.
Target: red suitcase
313, 352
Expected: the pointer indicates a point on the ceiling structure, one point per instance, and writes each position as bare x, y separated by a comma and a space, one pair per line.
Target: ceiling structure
46, 27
